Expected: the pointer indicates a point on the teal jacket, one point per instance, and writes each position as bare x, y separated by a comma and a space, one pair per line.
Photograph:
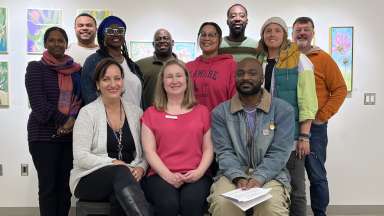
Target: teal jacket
293, 80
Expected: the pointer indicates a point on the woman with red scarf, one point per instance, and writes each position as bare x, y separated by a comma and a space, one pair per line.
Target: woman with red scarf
53, 87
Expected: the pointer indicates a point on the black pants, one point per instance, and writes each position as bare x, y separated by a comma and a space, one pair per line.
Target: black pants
188, 200
102, 185
53, 162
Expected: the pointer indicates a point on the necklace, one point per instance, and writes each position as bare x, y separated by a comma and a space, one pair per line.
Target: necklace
118, 134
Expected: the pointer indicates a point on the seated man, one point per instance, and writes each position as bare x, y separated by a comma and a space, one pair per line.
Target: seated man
253, 137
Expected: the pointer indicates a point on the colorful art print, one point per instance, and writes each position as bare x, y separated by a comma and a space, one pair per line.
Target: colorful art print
4, 95
140, 49
98, 14
341, 50
3, 31
39, 20
185, 51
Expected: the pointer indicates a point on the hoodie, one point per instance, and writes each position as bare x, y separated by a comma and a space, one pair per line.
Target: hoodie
213, 79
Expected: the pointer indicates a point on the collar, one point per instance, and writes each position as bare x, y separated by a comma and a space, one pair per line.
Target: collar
156, 60
264, 105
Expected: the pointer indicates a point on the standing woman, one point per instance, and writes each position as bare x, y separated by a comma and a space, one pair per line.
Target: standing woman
177, 143
289, 75
53, 87
213, 75
108, 159
111, 39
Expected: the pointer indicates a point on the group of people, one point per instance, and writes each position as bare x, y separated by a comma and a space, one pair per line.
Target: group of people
160, 137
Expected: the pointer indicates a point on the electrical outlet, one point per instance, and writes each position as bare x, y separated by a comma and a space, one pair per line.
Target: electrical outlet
369, 98
24, 169
1, 169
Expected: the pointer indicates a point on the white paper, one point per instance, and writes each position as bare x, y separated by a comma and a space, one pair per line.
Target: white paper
245, 199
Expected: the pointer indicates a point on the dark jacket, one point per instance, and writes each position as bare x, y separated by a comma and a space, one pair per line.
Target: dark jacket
88, 86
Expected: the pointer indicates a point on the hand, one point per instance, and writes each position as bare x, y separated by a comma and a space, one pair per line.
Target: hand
302, 148
138, 173
68, 125
192, 176
118, 162
242, 183
253, 183
174, 179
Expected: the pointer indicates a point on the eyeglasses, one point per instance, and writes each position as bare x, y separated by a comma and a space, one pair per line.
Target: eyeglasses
208, 35
115, 31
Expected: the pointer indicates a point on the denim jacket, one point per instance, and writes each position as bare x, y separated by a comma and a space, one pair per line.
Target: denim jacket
265, 156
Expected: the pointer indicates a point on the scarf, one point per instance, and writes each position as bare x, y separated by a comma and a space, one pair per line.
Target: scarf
69, 83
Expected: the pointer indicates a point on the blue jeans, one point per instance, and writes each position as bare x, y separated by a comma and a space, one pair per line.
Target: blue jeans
317, 175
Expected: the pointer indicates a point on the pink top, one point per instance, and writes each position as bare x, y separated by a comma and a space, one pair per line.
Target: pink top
179, 138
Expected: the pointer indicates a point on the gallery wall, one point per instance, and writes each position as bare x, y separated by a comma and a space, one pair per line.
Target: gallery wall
355, 151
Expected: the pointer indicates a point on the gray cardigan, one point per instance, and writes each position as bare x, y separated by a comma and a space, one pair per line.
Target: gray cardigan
90, 140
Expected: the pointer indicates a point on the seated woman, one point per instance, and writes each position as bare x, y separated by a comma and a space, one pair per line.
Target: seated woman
177, 143
108, 160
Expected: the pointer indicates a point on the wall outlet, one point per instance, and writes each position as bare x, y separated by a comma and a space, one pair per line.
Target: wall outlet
1, 169
369, 98
24, 169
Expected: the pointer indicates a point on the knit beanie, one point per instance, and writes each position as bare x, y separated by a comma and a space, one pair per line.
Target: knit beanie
108, 21
276, 20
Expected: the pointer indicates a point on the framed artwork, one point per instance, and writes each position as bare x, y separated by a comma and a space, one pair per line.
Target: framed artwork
98, 14
341, 50
38, 21
3, 31
140, 49
4, 93
185, 51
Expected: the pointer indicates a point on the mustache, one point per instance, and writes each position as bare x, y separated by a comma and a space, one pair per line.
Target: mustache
245, 82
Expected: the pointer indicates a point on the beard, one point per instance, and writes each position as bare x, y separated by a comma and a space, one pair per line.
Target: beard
237, 31
303, 43
249, 91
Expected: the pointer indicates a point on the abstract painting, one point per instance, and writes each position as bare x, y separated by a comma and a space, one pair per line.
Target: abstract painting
38, 22
341, 50
4, 95
3, 30
98, 14
185, 51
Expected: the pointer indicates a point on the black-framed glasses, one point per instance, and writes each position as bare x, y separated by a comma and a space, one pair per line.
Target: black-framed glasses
114, 31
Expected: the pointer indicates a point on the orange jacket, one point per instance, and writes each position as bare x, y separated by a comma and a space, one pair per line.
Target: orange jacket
331, 89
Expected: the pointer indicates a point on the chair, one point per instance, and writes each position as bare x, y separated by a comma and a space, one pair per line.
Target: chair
85, 208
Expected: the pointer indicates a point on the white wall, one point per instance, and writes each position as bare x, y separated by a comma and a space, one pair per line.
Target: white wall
355, 152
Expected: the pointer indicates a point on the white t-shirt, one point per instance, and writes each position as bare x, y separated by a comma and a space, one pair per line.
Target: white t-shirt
78, 53
132, 86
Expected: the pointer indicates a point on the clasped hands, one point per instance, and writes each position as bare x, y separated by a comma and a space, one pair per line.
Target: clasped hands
178, 179
137, 172
246, 184
67, 127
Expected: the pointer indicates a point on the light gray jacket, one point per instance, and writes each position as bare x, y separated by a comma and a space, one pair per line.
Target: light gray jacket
90, 140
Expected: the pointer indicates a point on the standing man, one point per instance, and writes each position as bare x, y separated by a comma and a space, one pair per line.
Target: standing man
237, 43
253, 137
85, 28
331, 92
150, 66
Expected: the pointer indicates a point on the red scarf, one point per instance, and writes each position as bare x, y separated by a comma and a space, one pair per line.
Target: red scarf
69, 103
